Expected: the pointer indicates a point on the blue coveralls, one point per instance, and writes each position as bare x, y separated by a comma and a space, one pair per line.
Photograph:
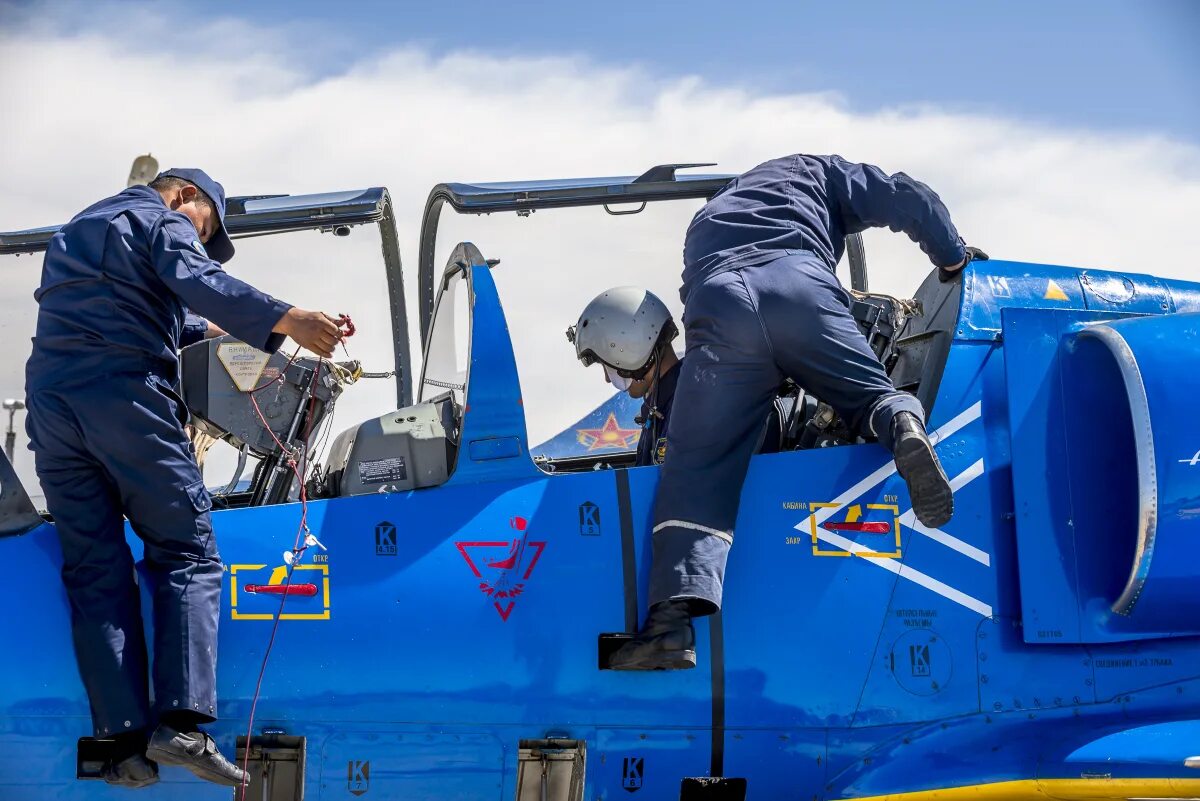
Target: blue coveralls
119, 283
762, 303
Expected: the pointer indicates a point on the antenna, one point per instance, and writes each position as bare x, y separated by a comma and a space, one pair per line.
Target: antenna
12, 406
143, 171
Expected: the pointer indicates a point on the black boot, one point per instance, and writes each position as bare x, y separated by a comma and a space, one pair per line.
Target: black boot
666, 642
195, 751
128, 766
918, 465
134, 771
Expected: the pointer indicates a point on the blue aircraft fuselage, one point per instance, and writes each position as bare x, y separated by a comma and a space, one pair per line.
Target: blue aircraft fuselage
859, 654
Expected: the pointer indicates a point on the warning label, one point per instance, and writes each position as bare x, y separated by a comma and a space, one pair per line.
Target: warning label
382, 471
243, 363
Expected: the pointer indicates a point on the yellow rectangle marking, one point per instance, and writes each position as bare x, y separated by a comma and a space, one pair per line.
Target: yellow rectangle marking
853, 515
277, 577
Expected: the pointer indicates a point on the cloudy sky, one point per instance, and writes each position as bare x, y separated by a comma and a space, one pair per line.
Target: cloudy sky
1065, 135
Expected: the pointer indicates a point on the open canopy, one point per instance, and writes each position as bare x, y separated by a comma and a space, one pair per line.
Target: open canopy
657, 183
523, 197
255, 215
330, 212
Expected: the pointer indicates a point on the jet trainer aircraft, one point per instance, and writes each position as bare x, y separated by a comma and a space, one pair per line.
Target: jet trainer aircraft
452, 641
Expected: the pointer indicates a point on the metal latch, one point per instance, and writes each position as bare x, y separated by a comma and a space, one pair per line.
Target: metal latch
275, 766
551, 770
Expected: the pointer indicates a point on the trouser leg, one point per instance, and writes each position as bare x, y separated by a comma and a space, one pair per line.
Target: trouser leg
746, 330
816, 342
150, 459
807, 317
98, 571
726, 384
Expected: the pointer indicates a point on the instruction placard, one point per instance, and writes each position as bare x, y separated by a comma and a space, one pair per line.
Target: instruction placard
243, 363
382, 471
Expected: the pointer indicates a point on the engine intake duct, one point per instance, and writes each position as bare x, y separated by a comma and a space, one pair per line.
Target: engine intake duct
1136, 386
1106, 473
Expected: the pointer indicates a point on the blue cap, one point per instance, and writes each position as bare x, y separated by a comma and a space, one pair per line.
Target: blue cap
219, 246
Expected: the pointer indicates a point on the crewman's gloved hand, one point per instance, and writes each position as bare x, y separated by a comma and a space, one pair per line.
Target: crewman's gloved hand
973, 254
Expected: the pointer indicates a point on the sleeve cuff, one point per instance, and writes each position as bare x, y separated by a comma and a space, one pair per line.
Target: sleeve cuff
273, 341
194, 329
951, 257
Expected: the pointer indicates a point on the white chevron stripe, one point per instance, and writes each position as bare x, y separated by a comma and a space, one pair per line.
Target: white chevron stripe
883, 473
967, 476
906, 572
968, 550
949, 540
964, 418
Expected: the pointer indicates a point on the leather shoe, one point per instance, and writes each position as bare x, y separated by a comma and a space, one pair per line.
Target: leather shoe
195, 751
666, 642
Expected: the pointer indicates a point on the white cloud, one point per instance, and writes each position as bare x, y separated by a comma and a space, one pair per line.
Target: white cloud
244, 104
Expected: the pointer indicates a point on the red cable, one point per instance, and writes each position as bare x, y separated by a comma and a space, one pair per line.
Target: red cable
277, 379
296, 549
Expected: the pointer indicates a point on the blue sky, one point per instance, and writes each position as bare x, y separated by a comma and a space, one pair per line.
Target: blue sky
1107, 64
1112, 65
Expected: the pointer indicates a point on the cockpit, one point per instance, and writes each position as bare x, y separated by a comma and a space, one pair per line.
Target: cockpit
495, 382
472, 413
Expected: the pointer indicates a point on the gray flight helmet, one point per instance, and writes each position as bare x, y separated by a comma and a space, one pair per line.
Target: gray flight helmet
623, 327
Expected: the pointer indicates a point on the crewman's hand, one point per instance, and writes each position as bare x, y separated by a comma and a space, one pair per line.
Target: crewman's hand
973, 254
314, 330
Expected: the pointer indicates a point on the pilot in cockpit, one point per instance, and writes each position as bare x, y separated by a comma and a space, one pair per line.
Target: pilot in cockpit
628, 330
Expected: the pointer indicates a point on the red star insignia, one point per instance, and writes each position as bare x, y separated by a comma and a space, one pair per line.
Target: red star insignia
610, 436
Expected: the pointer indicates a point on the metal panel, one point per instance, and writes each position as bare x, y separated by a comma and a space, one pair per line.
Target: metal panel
1130, 294
1046, 537
646, 763
455, 763
551, 770
990, 287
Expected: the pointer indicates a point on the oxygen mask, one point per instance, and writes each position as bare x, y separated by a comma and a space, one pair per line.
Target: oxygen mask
616, 379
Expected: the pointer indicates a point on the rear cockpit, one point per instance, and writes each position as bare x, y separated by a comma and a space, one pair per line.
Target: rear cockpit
420, 445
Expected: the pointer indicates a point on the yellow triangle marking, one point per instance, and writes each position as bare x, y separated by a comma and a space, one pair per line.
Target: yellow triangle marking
1054, 292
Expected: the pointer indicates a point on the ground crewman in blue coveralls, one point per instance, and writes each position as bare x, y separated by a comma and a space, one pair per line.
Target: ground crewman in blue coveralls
762, 303
124, 285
